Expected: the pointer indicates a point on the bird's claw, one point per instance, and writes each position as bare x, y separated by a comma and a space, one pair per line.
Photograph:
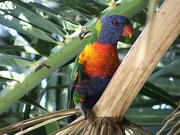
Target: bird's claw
85, 112
81, 107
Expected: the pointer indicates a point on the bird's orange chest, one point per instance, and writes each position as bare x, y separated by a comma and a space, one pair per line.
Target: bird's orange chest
99, 59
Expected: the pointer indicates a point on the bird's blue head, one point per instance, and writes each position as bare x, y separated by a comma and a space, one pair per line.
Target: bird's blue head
110, 29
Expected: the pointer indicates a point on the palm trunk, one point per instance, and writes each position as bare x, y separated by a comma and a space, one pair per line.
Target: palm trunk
140, 61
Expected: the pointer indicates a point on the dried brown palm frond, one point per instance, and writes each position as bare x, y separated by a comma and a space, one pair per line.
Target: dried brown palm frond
101, 126
175, 130
91, 126
34, 123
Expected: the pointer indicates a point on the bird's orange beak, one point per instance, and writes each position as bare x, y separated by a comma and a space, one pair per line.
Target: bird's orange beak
127, 31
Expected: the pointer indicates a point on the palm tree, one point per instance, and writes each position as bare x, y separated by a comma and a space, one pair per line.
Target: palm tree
37, 60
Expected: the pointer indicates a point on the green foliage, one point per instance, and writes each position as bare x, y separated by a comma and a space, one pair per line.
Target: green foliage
36, 60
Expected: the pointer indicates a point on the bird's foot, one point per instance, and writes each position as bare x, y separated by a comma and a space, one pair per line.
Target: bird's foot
81, 107
85, 112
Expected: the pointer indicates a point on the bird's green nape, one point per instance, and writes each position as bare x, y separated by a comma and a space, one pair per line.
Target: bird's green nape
98, 27
96, 32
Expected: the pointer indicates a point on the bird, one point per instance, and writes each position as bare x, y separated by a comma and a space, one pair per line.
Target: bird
97, 63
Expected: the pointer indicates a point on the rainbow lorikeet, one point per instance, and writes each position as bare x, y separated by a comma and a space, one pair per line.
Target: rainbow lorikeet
97, 63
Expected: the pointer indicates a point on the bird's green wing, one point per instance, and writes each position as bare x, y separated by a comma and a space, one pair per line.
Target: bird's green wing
76, 76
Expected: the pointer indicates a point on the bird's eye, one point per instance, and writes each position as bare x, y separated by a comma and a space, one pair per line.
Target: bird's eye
115, 23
